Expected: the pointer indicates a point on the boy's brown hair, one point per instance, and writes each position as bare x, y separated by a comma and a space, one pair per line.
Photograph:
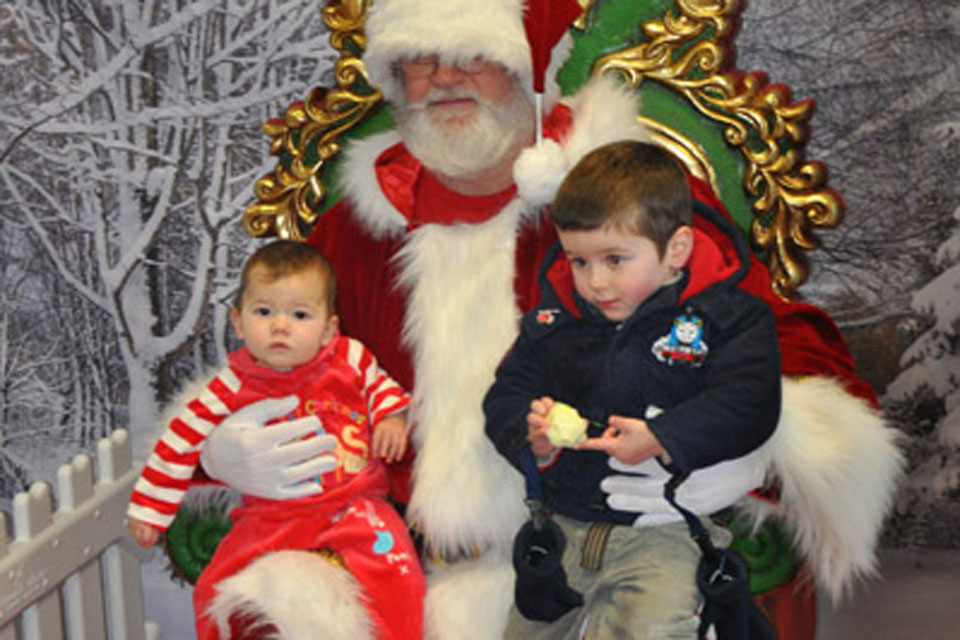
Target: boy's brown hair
285, 257
631, 184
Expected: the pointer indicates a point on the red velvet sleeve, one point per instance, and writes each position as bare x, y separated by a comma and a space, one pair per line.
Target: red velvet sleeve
532, 245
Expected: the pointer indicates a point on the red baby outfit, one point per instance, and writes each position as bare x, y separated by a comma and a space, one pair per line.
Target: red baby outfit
347, 390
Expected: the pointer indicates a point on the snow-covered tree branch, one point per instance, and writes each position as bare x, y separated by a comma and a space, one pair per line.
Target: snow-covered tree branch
129, 142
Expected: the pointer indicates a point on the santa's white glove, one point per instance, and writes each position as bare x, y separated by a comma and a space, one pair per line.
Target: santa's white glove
269, 462
705, 491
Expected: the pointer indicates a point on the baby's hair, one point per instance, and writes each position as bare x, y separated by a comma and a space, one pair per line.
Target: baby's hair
628, 184
286, 257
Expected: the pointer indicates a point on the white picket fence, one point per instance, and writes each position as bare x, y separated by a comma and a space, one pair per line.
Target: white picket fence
68, 574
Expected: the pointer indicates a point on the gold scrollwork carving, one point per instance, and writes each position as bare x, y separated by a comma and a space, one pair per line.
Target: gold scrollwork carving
306, 137
581, 22
688, 51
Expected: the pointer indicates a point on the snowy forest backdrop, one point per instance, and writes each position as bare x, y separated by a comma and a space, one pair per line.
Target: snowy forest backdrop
130, 140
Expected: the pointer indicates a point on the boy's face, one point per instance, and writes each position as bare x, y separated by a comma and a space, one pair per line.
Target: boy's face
284, 322
616, 269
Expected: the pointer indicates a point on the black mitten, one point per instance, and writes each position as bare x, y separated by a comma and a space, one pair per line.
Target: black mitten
728, 605
542, 592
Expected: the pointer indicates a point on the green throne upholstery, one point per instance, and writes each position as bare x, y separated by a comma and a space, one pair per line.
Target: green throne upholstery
738, 131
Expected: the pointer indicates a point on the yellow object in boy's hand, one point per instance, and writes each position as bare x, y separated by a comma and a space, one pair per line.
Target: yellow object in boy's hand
567, 427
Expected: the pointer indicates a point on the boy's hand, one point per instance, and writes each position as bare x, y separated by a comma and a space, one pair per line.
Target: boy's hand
390, 438
537, 427
627, 439
144, 534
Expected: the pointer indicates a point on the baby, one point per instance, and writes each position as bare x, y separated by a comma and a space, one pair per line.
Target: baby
286, 317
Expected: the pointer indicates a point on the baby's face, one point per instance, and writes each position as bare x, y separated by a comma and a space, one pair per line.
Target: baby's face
284, 322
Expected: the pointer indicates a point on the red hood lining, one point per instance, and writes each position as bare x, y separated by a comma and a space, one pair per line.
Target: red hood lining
710, 263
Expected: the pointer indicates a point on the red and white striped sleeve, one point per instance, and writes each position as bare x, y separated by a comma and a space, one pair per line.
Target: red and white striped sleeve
383, 394
168, 470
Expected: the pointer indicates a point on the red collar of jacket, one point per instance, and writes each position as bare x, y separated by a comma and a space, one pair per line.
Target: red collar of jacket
244, 363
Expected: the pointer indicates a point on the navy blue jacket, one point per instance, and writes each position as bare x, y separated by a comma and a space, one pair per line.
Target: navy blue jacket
701, 351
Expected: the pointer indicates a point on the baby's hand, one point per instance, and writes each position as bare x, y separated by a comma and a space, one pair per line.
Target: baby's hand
629, 440
390, 438
537, 427
145, 535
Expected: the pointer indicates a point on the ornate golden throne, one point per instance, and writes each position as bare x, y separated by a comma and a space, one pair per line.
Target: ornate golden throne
741, 133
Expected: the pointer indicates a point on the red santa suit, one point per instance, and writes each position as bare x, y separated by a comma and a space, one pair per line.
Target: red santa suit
347, 390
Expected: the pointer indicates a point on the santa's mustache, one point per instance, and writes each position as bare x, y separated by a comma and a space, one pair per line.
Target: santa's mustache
441, 95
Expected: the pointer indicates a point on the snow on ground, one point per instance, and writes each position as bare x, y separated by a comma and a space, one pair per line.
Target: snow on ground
916, 596
165, 602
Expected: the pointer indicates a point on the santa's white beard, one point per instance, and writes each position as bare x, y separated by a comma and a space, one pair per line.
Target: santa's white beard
460, 149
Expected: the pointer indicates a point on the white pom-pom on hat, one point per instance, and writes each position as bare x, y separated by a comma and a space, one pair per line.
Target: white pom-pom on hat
604, 111
538, 172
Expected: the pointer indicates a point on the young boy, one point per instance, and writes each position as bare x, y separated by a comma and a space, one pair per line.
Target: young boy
284, 313
642, 329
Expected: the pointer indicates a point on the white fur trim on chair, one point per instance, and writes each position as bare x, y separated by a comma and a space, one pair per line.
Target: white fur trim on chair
837, 463
303, 594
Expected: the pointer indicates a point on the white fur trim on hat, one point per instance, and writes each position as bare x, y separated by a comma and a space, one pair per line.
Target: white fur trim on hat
604, 111
303, 594
456, 30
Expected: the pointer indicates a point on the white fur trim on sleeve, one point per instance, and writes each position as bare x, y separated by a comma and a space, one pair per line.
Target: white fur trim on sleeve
303, 594
469, 599
838, 465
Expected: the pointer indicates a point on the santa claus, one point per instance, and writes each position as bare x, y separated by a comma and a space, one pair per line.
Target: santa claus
436, 244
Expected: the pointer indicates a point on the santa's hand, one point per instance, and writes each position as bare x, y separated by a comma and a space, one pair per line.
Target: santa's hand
705, 491
269, 462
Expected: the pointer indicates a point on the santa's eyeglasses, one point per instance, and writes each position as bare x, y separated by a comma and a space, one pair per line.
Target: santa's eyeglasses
425, 66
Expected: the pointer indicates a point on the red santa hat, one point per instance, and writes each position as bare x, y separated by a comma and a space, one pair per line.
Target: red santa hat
460, 30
